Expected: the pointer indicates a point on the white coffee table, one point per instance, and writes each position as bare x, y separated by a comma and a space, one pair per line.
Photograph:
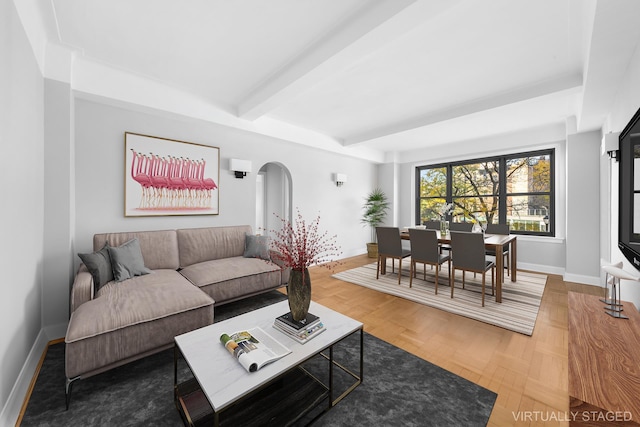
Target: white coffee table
220, 381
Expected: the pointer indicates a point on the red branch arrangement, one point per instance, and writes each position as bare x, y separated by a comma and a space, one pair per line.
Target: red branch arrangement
300, 245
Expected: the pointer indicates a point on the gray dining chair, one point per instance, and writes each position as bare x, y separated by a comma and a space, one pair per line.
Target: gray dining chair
469, 255
502, 229
390, 246
426, 250
432, 225
460, 226
456, 226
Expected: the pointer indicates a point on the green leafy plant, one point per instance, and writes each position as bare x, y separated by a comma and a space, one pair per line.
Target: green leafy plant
375, 210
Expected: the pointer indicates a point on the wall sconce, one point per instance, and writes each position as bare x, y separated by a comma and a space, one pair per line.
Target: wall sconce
340, 179
610, 145
240, 167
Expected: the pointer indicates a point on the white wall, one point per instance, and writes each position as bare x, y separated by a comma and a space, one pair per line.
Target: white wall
58, 204
626, 104
583, 208
388, 182
21, 216
99, 170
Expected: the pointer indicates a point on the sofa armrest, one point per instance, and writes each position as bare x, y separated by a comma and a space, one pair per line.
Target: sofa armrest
82, 289
285, 271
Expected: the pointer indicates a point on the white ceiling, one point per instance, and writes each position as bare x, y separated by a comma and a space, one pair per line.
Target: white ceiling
361, 76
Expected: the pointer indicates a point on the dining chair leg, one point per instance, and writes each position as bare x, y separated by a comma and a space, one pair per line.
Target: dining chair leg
399, 270
452, 279
493, 281
484, 275
378, 268
508, 264
412, 270
463, 274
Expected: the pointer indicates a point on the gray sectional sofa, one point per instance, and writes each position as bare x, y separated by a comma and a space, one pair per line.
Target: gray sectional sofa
189, 272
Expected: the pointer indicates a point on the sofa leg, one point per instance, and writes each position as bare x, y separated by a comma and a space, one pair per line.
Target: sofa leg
67, 390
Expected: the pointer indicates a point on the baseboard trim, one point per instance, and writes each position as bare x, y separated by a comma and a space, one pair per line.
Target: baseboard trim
11, 411
56, 332
579, 278
539, 268
353, 253
567, 277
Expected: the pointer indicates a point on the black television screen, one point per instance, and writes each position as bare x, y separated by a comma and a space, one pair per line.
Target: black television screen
629, 187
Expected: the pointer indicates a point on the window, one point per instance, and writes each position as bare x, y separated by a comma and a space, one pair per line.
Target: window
516, 189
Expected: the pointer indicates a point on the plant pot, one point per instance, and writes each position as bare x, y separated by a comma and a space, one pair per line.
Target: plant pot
299, 293
372, 250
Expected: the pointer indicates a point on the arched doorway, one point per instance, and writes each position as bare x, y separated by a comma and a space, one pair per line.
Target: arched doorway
273, 196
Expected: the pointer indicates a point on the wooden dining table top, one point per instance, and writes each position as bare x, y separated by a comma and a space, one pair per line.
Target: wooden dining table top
489, 239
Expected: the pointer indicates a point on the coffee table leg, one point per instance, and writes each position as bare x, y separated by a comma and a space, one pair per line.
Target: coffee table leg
175, 373
361, 353
331, 403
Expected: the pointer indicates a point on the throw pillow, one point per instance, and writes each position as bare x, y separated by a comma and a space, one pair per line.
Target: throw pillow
99, 265
257, 247
127, 261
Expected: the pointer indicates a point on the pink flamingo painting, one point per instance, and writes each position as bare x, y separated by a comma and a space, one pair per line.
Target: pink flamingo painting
138, 164
172, 183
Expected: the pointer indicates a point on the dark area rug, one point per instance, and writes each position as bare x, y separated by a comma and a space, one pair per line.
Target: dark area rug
398, 388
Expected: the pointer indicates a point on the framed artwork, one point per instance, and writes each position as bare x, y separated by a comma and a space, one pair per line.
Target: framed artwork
170, 177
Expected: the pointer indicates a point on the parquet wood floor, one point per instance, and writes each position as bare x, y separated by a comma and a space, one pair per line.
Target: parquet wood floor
529, 374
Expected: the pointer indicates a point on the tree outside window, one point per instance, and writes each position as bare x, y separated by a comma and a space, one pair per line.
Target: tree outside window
433, 192
515, 189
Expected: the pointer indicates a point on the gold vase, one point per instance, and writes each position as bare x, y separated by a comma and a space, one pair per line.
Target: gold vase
299, 293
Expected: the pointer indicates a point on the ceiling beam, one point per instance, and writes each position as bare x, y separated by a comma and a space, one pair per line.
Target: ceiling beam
99, 82
38, 20
614, 38
565, 83
365, 32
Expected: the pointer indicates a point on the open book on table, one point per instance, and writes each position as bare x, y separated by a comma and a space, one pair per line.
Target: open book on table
254, 348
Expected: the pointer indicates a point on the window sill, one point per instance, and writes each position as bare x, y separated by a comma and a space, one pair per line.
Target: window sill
541, 239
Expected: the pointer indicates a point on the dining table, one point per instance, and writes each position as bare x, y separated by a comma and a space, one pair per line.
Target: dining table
495, 242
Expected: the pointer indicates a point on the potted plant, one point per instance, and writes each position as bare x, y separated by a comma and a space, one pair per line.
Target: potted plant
375, 210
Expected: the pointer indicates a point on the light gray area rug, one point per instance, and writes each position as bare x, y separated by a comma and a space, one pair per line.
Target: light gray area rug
398, 389
517, 312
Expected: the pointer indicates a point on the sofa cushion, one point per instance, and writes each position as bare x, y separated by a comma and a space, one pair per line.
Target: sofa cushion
159, 248
257, 247
133, 317
211, 243
127, 261
138, 300
99, 265
229, 278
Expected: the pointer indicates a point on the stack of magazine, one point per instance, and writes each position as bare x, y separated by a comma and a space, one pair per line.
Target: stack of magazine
301, 331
